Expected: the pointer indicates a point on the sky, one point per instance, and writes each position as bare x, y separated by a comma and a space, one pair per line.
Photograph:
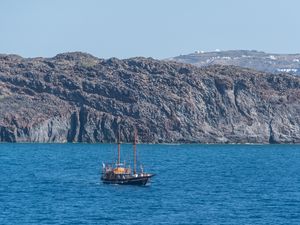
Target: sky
149, 28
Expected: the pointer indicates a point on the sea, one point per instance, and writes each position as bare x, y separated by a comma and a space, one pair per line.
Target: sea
194, 184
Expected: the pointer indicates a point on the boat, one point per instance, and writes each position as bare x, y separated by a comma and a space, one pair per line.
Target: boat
118, 173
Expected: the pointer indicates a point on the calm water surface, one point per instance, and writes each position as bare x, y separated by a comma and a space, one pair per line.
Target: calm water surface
195, 184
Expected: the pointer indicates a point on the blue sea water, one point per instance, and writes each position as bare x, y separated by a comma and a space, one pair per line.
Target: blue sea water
194, 184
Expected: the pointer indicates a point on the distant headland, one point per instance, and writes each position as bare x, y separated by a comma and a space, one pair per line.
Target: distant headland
252, 59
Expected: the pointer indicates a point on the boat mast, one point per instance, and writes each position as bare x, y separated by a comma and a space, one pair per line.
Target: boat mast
119, 148
134, 151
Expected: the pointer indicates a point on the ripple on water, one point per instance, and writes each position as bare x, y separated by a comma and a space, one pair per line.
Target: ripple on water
195, 184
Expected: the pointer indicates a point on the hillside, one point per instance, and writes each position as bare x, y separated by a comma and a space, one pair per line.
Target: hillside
76, 97
261, 61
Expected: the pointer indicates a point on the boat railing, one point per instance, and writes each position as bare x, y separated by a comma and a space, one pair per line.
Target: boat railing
112, 167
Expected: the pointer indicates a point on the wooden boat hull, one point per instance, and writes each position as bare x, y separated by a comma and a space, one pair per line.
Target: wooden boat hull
140, 181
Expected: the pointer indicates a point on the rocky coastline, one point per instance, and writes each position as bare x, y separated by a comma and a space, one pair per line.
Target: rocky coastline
76, 97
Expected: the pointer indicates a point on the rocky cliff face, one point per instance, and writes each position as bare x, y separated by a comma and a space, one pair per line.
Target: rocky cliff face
75, 97
261, 61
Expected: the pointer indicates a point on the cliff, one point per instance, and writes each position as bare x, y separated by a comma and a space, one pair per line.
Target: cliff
76, 97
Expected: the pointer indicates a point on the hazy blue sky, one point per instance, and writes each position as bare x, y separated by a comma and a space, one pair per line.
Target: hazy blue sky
156, 28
